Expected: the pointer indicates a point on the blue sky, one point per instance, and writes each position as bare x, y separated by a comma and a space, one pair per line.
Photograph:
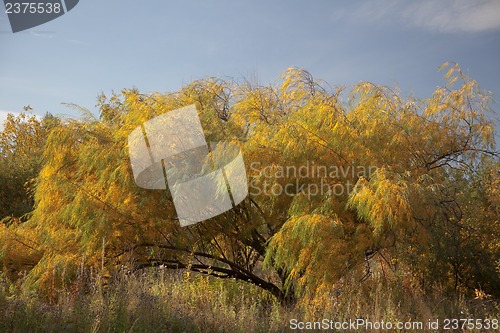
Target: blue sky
159, 45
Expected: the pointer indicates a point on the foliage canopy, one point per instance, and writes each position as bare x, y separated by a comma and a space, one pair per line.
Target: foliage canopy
427, 209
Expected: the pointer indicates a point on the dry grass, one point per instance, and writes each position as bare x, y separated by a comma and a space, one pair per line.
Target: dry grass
165, 301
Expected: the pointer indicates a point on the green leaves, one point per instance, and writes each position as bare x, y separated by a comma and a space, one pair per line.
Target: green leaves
349, 185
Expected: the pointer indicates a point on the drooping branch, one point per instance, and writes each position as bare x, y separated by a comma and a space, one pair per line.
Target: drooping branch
234, 271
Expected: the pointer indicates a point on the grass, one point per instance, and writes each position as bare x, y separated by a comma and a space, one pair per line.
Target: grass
166, 301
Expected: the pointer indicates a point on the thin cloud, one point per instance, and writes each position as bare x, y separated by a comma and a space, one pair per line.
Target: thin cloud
456, 16
42, 34
76, 41
449, 16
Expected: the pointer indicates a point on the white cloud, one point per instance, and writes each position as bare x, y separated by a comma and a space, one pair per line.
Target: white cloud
3, 116
4, 113
435, 15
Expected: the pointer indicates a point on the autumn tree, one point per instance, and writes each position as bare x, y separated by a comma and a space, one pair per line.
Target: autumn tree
406, 183
22, 142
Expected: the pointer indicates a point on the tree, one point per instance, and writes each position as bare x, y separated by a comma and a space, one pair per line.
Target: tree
21, 144
334, 188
